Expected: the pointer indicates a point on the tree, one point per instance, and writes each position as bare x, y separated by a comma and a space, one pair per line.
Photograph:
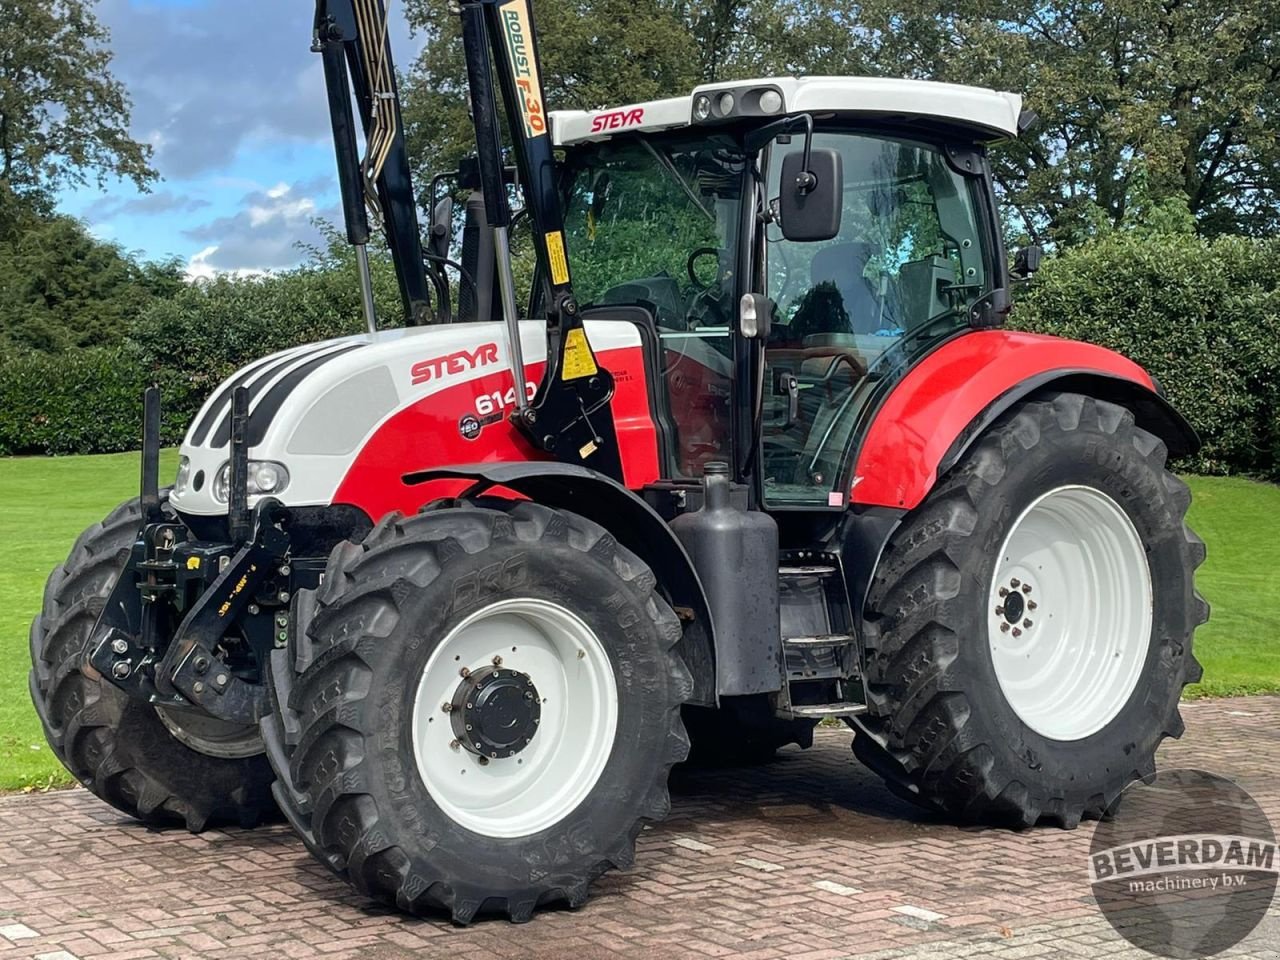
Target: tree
64, 119
60, 287
1136, 99
594, 53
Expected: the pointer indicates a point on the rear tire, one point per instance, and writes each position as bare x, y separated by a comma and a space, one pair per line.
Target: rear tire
975, 713
360, 739
121, 749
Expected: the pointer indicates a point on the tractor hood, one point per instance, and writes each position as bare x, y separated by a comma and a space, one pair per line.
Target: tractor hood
373, 407
312, 408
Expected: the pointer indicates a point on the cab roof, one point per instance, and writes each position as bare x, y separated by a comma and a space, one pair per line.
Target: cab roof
989, 113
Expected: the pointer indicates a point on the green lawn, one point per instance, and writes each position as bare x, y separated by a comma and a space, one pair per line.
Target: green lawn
48, 501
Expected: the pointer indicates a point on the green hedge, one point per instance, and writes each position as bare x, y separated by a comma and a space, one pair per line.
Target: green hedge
80, 401
1202, 316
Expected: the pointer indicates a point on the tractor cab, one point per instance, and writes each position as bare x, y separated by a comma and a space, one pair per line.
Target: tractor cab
676, 206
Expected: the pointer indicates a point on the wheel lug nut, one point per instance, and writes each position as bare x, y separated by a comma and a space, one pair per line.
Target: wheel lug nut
464, 673
497, 661
1026, 588
1015, 583
454, 745
1027, 624
1004, 591
1031, 604
999, 611
447, 707
484, 761
1017, 632
1004, 628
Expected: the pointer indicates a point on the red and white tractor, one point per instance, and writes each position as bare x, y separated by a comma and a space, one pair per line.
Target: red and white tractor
756, 451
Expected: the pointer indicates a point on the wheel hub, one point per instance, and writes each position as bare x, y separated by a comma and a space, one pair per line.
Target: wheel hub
495, 712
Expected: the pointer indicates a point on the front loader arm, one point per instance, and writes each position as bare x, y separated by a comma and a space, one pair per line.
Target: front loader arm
569, 415
351, 36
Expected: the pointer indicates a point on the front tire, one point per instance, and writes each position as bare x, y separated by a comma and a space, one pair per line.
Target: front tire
159, 768
478, 710
1031, 621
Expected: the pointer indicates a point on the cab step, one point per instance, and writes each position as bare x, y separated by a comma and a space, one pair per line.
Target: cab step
820, 711
808, 570
821, 652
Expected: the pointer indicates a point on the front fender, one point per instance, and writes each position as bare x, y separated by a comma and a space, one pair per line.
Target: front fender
635, 524
945, 402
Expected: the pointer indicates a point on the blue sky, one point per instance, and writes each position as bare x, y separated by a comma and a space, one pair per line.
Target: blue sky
233, 101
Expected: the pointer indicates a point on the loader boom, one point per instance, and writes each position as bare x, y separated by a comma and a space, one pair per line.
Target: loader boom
569, 415
351, 36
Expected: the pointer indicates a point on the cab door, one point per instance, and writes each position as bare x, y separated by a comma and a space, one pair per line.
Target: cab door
913, 255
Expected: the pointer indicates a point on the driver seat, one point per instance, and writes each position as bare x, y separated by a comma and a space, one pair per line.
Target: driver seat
844, 266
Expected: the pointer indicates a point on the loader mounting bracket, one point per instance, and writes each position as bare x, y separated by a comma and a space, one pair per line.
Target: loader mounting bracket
190, 667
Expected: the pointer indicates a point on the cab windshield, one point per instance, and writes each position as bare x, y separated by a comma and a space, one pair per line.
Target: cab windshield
654, 223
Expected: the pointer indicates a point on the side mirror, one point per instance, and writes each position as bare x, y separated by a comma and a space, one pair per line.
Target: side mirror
441, 228
810, 198
1026, 262
755, 316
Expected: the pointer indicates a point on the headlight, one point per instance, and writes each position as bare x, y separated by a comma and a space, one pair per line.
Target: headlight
265, 477
726, 104
183, 479
770, 101
702, 107
222, 483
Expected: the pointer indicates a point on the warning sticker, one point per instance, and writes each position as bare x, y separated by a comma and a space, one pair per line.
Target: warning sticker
556, 254
524, 68
578, 362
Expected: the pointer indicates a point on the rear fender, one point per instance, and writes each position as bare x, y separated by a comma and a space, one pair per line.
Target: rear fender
628, 518
950, 397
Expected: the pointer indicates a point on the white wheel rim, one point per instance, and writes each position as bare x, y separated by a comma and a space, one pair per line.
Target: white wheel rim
545, 781
1069, 613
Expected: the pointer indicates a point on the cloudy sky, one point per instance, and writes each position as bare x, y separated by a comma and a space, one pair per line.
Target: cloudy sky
233, 101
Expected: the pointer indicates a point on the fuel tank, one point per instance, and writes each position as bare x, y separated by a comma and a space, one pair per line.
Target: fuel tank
342, 421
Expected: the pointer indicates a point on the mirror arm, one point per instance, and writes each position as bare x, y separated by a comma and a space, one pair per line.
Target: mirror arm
807, 181
759, 137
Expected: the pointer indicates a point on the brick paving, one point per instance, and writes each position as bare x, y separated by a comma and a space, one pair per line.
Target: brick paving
807, 858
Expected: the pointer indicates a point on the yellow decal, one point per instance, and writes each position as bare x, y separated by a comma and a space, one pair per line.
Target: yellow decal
240, 585
578, 362
555, 253
587, 449
193, 563
517, 30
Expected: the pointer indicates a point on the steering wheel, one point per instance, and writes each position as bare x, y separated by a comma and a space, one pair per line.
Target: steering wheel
694, 257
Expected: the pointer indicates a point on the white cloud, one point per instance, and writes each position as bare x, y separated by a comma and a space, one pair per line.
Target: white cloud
263, 235
198, 267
